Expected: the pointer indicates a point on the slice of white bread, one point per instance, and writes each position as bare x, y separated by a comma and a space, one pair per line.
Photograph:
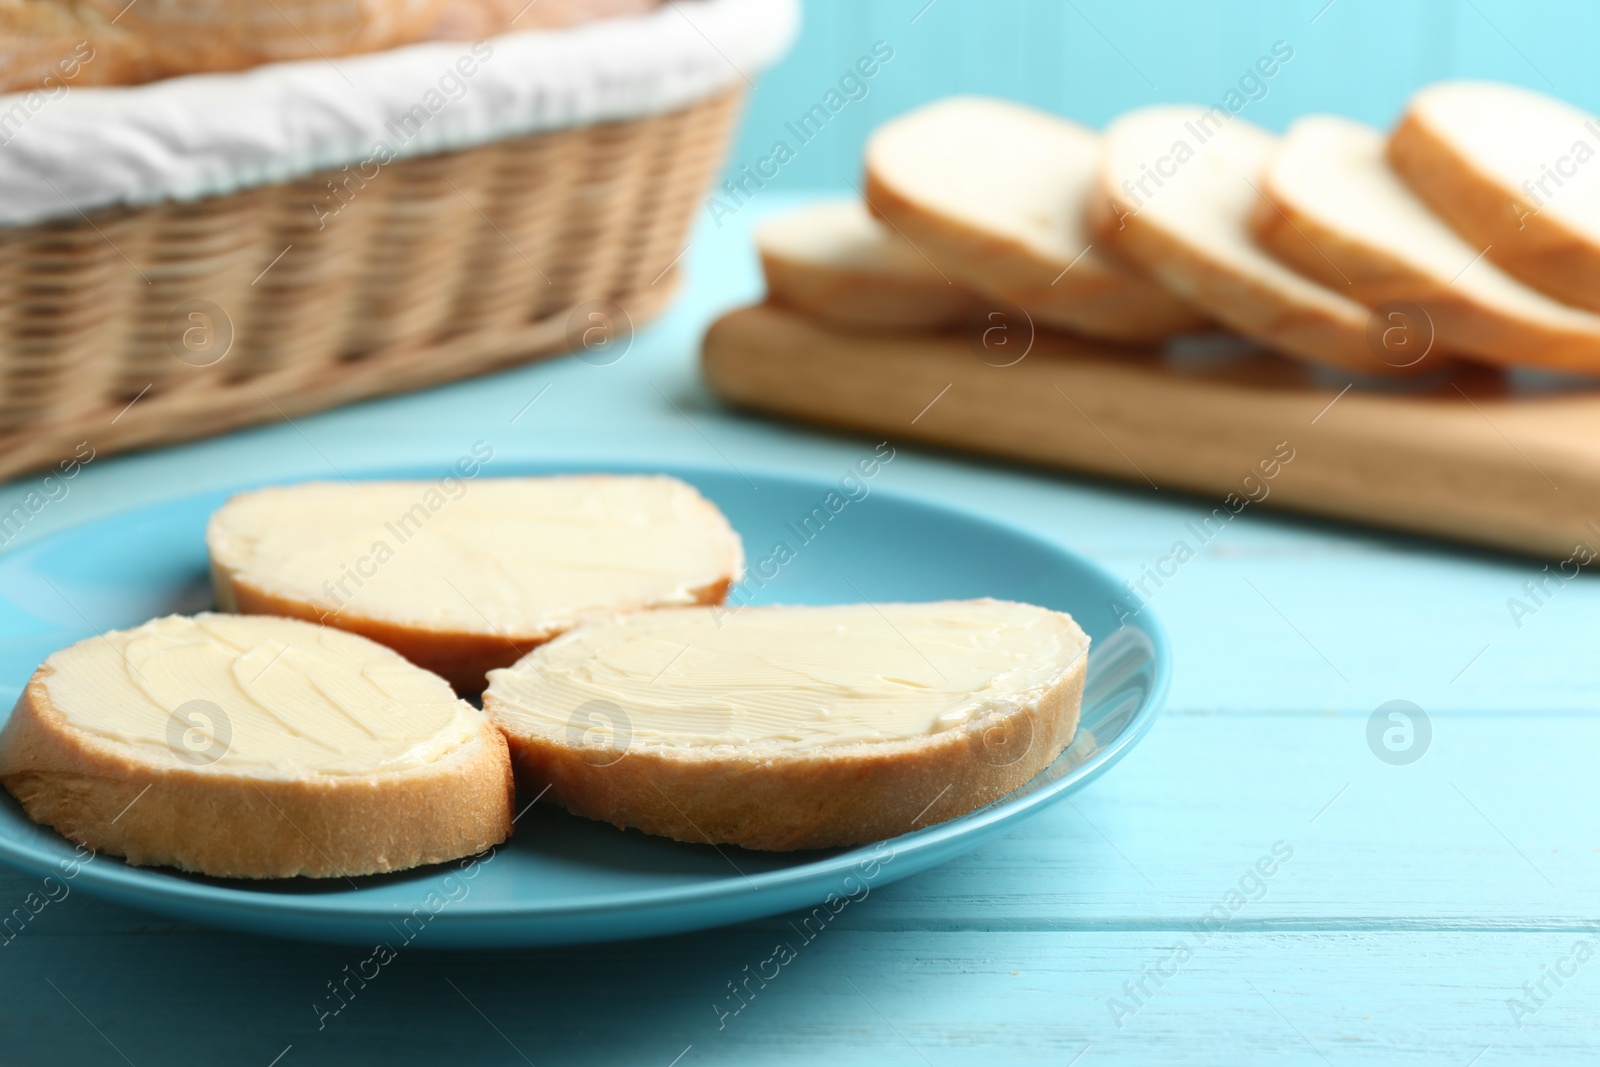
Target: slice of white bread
994, 194
793, 727
255, 747
1514, 171
832, 259
1177, 188
1337, 212
464, 575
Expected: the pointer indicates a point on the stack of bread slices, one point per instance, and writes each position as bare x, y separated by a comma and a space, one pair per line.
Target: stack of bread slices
1471, 231
314, 727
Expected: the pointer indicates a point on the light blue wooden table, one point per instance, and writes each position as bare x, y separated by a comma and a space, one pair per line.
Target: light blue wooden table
1422, 909
1415, 902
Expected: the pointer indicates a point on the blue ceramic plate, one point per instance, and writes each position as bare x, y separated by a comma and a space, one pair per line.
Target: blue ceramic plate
564, 879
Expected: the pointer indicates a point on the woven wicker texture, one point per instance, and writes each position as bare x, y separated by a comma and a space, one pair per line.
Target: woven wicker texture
133, 327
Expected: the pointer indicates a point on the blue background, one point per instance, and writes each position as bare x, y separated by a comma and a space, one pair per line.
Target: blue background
1419, 898
1092, 59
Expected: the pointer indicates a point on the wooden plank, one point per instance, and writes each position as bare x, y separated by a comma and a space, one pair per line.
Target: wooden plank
1461, 458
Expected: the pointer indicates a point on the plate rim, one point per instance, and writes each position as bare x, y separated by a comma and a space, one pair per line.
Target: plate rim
128, 882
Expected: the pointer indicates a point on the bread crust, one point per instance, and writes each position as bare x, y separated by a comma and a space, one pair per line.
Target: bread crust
475, 20
187, 37
1534, 246
128, 44
134, 43
1373, 277
1118, 305
775, 800
109, 797
49, 46
1251, 306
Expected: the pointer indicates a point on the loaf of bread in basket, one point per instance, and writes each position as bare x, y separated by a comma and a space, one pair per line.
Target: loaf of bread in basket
45, 44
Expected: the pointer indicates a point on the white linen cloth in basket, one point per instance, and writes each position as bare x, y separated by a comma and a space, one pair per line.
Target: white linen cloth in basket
69, 150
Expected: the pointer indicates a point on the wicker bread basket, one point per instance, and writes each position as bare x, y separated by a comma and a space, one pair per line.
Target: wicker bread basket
134, 325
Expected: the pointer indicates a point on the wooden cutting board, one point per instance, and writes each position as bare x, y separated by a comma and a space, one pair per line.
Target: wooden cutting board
1472, 455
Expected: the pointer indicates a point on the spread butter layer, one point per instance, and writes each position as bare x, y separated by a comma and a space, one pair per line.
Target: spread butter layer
274, 697
503, 556
790, 676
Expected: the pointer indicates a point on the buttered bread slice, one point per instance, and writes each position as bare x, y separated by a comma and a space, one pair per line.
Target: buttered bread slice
793, 727
255, 747
465, 580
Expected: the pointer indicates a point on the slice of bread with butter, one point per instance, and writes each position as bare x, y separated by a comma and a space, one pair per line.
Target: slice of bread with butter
793, 727
255, 747
464, 577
